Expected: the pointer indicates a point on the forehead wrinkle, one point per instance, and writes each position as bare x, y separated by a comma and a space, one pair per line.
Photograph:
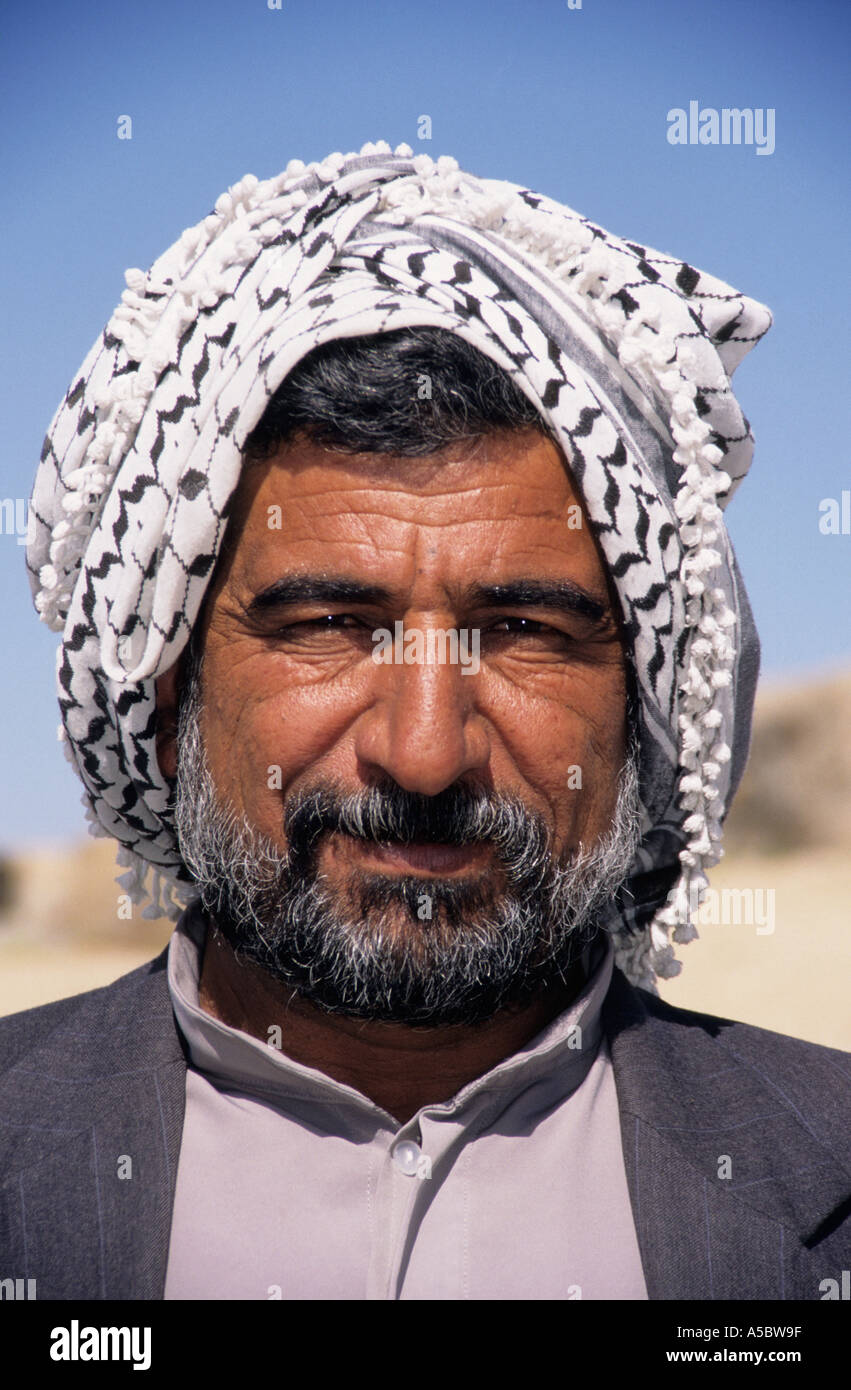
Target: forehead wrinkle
426, 544
395, 503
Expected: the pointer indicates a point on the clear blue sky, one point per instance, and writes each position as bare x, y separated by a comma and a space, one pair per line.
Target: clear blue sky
570, 102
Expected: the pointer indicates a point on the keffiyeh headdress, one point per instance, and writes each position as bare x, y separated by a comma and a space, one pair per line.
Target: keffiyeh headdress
627, 355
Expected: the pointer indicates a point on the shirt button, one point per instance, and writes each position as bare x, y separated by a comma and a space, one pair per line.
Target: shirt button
406, 1156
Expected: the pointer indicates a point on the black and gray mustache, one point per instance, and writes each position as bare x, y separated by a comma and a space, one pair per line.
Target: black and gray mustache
456, 816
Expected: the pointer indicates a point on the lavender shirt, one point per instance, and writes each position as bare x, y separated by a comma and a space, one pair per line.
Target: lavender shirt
292, 1185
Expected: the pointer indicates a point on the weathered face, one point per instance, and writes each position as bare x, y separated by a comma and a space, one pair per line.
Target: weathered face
323, 550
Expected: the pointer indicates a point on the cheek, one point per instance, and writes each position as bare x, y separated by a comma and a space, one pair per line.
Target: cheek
569, 748
561, 719
265, 731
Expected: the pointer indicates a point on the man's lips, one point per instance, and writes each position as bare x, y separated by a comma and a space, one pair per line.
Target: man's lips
419, 857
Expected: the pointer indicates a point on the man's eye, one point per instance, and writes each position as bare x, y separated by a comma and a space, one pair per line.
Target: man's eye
526, 626
328, 622
539, 636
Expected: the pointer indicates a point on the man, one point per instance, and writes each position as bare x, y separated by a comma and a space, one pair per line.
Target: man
398, 1046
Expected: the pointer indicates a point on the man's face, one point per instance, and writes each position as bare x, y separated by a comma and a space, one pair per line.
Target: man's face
324, 549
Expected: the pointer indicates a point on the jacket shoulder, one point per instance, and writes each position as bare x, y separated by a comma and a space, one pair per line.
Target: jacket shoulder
702, 1055
750, 1039
96, 1013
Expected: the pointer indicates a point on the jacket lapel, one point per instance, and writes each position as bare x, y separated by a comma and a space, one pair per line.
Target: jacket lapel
89, 1186
728, 1181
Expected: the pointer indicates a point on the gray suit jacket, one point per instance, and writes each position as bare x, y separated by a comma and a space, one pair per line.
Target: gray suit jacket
88, 1082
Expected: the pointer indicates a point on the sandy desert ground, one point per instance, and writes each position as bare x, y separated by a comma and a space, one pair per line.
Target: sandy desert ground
774, 948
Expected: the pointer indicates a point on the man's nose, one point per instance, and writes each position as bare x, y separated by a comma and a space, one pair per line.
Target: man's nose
423, 729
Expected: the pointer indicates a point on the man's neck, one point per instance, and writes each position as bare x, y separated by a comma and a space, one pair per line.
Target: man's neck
401, 1069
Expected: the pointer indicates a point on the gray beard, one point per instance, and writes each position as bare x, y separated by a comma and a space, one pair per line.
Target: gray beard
370, 949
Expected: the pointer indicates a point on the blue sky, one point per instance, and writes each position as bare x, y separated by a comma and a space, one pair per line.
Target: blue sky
572, 102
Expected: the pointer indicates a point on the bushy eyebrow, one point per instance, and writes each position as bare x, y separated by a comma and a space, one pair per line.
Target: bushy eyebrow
563, 596
317, 588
